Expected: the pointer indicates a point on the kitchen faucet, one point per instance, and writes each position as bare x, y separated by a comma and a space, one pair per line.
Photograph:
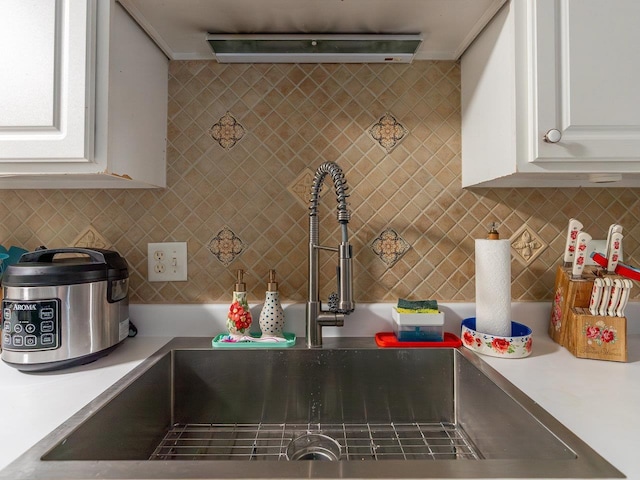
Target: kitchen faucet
340, 303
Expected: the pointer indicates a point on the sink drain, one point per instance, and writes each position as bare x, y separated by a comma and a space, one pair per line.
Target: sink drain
313, 446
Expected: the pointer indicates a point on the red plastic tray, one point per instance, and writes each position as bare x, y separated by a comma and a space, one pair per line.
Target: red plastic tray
389, 339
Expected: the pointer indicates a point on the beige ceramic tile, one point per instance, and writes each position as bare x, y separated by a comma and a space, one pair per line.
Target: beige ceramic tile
294, 117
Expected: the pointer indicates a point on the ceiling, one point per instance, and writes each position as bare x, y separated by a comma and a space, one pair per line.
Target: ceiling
179, 27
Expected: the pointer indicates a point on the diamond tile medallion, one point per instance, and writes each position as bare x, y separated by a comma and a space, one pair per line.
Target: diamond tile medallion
300, 188
388, 132
226, 246
227, 131
90, 238
389, 246
526, 245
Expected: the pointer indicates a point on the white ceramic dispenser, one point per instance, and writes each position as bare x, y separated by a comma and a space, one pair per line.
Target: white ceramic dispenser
272, 315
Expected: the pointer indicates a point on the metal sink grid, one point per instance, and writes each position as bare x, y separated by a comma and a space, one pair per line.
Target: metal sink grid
264, 441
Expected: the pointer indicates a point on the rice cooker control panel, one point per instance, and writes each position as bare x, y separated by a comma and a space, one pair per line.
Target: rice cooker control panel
30, 325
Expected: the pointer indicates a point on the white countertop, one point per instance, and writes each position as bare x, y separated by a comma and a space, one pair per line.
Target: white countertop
597, 400
34, 404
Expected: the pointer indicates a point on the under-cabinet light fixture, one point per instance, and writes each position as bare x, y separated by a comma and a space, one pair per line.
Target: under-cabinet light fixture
311, 48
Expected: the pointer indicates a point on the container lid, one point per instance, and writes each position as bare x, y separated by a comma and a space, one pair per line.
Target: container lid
418, 319
50, 267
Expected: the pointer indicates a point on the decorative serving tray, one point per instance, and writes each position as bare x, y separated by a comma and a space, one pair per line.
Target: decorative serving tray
220, 342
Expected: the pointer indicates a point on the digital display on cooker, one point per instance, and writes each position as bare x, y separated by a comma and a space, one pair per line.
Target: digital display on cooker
31, 325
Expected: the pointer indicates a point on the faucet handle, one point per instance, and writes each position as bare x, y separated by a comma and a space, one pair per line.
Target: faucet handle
333, 302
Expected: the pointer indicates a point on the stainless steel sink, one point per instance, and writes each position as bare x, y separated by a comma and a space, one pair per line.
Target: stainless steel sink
349, 410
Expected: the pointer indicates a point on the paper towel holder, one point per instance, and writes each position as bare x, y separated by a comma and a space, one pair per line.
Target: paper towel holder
493, 233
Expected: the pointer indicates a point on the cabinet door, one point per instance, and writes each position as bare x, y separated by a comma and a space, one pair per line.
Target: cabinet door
46, 91
587, 65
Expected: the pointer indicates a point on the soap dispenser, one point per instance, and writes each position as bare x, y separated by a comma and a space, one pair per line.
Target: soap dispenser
272, 314
239, 316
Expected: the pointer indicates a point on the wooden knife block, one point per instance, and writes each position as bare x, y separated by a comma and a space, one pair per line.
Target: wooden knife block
568, 294
597, 337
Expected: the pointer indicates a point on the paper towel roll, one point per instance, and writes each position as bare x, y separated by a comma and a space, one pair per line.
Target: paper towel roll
493, 287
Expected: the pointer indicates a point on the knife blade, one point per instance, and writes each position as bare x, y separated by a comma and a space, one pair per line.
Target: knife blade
613, 228
596, 295
606, 295
582, 242
624, 297
614, 297
613, 250
572, 234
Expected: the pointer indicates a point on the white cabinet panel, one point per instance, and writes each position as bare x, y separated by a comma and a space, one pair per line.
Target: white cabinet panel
565, 65
588, 61
44, 81
28, 73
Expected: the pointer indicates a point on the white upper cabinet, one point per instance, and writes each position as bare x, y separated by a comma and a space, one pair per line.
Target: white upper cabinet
549, 96
83, 92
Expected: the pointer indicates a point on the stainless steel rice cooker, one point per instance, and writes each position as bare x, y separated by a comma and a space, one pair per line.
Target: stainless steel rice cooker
61, 310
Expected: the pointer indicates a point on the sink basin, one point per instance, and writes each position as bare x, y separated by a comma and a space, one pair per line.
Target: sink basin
349, 410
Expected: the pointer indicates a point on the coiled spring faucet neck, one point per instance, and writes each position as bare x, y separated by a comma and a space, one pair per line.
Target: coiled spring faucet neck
340, 184
340, 303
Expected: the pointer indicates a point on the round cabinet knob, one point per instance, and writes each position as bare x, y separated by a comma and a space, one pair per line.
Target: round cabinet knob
553, 136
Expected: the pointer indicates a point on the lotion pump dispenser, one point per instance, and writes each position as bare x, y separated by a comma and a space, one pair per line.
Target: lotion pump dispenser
272, 314
239, 316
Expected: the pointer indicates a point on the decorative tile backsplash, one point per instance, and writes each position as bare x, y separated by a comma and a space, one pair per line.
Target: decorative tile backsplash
243, 143
388, 132
227, 131
300, 188
390, 247
526, 245
226, 246
91, 238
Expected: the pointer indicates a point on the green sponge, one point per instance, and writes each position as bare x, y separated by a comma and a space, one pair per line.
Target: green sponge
418, 304
417, 310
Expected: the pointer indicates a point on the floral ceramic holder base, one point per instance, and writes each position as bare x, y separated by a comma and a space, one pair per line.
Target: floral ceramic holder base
518, 345
597, 337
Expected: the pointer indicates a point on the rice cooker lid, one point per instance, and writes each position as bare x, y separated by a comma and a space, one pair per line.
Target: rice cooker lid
42, 268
